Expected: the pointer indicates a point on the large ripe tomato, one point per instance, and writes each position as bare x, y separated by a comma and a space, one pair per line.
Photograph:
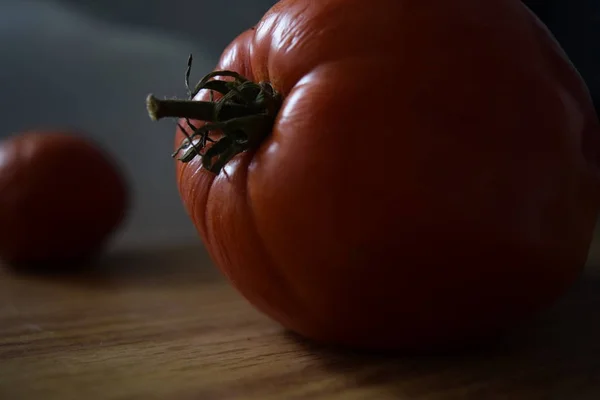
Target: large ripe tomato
61, 197
430, 177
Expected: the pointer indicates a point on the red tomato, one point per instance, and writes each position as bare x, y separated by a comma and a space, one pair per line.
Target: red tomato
430, 177
61, 197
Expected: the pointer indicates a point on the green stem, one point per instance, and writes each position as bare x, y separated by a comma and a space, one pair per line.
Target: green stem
244, 115
192, 109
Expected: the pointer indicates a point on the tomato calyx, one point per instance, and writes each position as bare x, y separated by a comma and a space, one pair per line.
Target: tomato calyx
244, 115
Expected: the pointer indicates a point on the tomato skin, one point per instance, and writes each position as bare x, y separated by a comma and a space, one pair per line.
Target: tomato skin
61, 197
432, 176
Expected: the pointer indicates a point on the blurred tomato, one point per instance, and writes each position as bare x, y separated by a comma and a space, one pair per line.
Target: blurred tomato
61, 197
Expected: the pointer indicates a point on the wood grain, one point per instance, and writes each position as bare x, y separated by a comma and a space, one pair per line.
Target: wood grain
165, 325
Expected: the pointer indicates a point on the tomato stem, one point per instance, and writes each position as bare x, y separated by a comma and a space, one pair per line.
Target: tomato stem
199, 110
244, 114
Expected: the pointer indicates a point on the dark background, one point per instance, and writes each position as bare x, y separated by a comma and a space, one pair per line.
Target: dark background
576, 25
89, 64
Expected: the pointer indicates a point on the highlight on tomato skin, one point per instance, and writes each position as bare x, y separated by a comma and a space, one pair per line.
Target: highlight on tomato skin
62, 197
415, 183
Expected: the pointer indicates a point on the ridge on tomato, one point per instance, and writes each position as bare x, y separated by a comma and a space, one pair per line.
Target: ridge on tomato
392, 174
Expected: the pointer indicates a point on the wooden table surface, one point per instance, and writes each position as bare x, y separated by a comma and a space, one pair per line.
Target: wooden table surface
165, 325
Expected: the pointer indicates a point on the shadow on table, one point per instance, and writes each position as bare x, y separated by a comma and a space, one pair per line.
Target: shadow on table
130, 267
557, 356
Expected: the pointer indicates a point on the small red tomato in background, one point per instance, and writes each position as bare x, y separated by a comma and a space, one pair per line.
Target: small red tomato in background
61, 197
